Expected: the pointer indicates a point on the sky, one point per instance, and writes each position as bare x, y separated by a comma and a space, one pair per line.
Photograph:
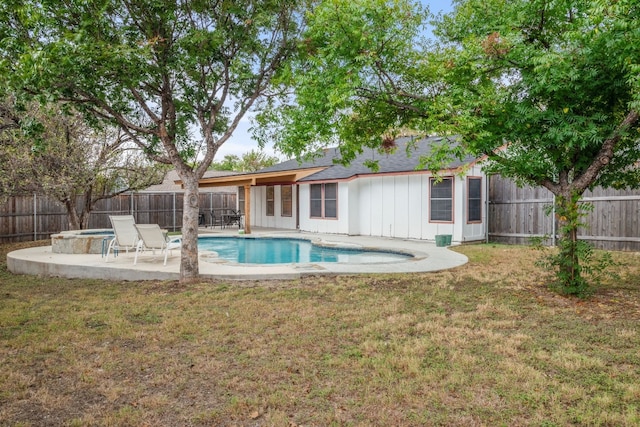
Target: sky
241, 141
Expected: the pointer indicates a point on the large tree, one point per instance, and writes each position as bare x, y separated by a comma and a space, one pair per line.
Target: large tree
49, 151
557, 82
548, 90
176, 76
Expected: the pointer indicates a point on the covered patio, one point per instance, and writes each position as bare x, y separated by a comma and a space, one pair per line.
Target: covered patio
248, 180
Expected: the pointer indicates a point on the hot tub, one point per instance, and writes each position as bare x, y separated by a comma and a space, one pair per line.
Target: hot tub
81, 241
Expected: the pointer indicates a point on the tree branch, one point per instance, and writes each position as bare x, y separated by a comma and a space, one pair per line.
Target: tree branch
606, 153
388, 99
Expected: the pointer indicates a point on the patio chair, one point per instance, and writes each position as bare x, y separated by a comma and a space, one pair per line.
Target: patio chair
125, 234
153, 238
216, 220
234, 217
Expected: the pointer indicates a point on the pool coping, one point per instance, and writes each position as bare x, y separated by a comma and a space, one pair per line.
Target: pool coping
42, 261
212, 256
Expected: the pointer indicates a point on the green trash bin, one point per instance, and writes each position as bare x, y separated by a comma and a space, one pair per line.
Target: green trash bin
443, 240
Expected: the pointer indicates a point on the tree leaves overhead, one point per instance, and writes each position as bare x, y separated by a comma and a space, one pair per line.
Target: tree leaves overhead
120, 60
553, 79
351, 79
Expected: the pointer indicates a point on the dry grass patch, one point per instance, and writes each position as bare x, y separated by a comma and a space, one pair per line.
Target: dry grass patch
484, 344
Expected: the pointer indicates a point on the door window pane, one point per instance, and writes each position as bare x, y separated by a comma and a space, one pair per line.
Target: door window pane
241, 199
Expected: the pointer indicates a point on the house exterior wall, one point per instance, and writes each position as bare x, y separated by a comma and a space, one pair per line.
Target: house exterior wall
398, 206
394, 205
259, 217
339, 225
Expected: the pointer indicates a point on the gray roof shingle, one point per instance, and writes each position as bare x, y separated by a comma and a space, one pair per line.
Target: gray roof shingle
402, 159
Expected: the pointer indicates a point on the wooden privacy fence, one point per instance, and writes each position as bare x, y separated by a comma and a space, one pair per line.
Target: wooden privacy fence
514, 214
37, 217
517, 214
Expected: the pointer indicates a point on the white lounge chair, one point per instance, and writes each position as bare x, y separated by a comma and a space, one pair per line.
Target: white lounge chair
152, 238
125, 234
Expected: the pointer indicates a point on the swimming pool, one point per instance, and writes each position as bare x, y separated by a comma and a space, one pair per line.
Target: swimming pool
274, 250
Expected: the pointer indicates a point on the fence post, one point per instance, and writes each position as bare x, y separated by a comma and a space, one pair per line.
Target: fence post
553, 221
35, 217
174, 211
486, 208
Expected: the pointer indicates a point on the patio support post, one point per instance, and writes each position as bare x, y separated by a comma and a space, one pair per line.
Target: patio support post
247, 209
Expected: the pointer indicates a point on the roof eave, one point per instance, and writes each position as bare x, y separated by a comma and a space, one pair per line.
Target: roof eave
259, 178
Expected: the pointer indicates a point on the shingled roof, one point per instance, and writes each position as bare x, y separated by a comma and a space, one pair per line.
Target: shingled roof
324, 167
405, 158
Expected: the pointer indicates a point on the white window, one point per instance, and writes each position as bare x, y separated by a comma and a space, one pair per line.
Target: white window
324, 200
441, 200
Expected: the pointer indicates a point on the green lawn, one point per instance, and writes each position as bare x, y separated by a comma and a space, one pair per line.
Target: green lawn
484, 344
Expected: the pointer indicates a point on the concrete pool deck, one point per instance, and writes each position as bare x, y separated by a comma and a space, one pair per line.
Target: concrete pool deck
42, 261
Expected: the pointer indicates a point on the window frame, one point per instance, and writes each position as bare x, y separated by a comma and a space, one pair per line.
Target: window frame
286, 204
323, 201
433, 182
478, 205
270, 203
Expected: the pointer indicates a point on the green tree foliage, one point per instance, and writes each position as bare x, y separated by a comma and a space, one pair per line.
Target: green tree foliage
51, 152
548, 90
252, 161
177, 77
228, 163
350, 79
557, 82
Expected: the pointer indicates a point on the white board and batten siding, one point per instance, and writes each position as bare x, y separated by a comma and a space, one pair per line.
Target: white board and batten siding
388, 206
394, 205
259, 217
338, 225
398, 206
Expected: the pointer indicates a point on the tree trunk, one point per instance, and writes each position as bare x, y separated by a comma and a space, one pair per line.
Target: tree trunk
189, 269
72, 214
84, 220
87, 207
568, 215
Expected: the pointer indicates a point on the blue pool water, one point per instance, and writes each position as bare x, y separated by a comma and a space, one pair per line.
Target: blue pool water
285, 251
